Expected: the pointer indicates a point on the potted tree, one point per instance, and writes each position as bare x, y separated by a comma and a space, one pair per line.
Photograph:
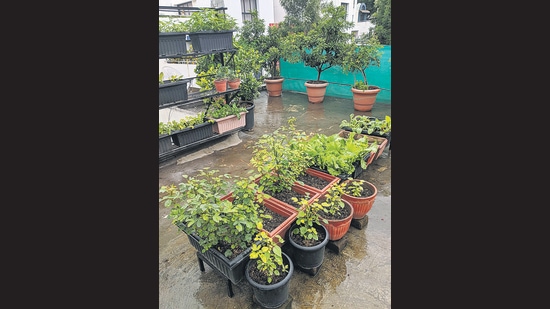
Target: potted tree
323, 47
272, 47
211, 30
269, 271
220, 228
363, 56
248, 91
361, 194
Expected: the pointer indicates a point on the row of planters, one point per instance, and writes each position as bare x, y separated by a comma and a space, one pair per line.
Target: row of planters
220, 117
278, 217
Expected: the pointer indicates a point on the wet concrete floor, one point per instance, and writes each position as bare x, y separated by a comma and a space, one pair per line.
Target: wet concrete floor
357, 277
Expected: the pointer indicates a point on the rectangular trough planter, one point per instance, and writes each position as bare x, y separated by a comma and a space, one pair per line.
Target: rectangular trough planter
231, 122
190, 135
172, 44
171, 92
211, 41
166, 143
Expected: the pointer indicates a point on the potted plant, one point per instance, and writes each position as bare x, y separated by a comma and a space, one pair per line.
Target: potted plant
336, 212
365, 55
220, 79
222, 230
279, 158
233, 79
308, 237
361, 194
323, 47
269, 271
368, 125
172, 38
188, 129
172, 90
380, 141
211, 30
226, 116
342, 156
272, 47
248, 91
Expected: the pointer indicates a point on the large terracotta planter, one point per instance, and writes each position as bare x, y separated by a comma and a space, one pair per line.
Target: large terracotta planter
363, 100
361, 205
337, 228
274, 86
316, 92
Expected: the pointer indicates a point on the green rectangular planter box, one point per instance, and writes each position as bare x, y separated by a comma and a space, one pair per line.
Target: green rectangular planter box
171, 92
172, 44
191, 135
211, 41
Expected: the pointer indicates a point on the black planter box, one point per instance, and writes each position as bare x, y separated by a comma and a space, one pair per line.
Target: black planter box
356, 172
165, 143
170, 92
191, 135
231, 269
172, 44
210, 41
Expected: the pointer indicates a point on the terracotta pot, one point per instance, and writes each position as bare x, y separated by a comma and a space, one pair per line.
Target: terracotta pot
338, 228
221, 85
274, 86
361, 205
316, 92
234, 83
363, 100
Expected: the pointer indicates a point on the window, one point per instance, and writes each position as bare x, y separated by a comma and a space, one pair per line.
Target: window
345, 5
364, 14
248, 6
183, 5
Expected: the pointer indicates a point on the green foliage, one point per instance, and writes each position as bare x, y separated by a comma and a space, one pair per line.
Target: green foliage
201, 206
354, 187
280, 158
337, 155
269, 255
301, 14
222, 72
173, 24
208, 19
382, 20
183, 123
248, 90
252, 31
218, 109
332, 200
360, 123
327, 43
362, 57
308, 218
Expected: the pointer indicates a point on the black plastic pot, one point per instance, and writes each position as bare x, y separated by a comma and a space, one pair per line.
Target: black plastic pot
250, 115
273, 295
211, 41
172, 44
308, 257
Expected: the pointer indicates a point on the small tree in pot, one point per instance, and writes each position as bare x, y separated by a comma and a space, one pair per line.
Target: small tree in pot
323, 47
364, 55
